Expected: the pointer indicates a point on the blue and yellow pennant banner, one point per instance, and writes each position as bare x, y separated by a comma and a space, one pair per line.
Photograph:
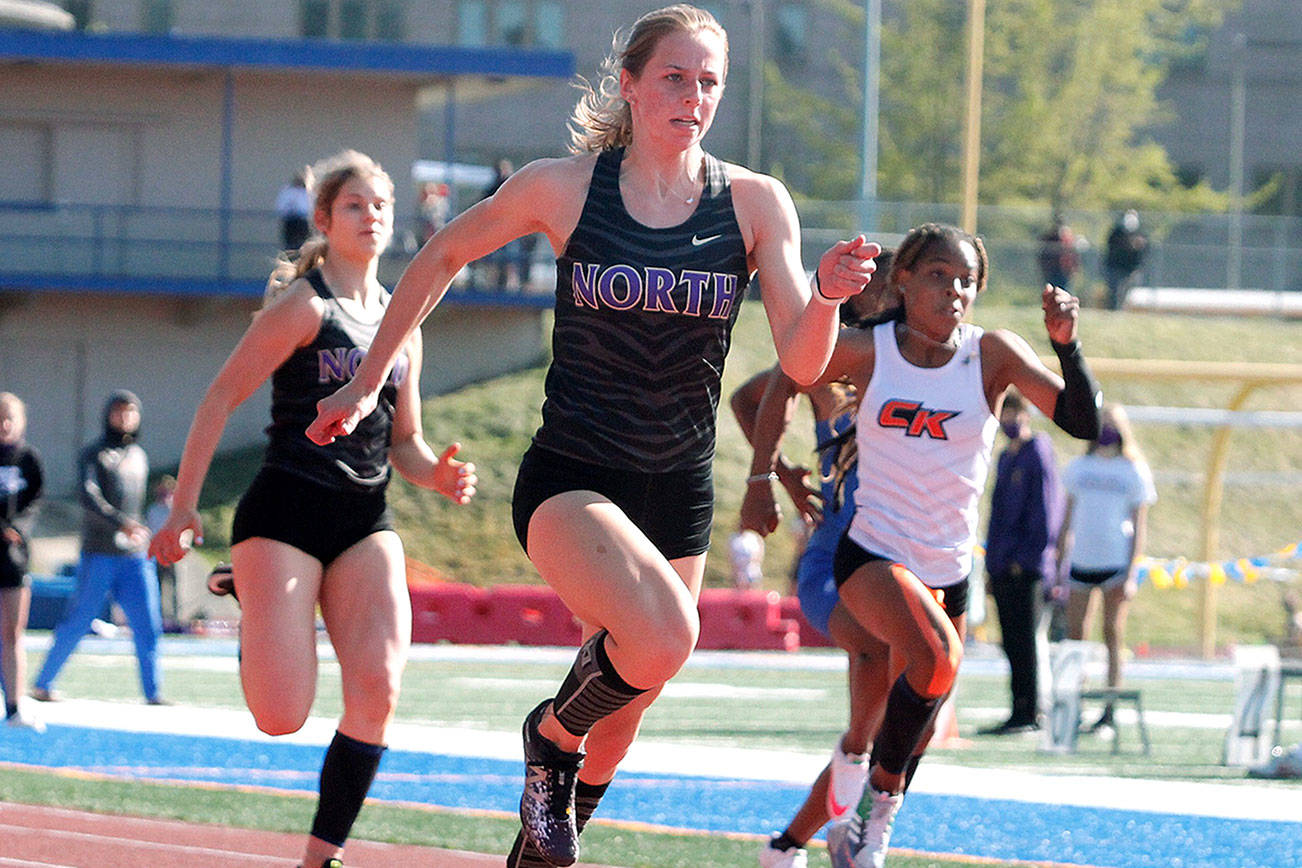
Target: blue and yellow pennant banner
1179, 572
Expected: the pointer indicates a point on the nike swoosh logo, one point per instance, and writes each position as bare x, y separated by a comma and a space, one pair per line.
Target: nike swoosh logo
697, 240
837, 809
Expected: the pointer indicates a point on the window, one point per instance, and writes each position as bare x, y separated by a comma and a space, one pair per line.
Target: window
157, 16
25, 171
472, 23
390, 21
314, 18
81, 11
512, 24
792, 32
353, 19
549, 23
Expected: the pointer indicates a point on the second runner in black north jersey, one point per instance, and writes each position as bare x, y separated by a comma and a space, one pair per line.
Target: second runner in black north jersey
643, 322
359, 462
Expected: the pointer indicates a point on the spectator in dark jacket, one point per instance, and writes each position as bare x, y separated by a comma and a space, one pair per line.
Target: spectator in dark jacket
20, 487
1021, 548
1123, 255
113, 474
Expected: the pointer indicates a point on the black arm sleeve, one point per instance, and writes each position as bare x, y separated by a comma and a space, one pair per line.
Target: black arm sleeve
1077, 410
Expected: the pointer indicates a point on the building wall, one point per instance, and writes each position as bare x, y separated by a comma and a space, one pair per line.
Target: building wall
527, 120
133, 136
119, 135
1201, 96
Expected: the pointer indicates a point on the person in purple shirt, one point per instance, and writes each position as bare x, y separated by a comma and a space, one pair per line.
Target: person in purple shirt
1021, 548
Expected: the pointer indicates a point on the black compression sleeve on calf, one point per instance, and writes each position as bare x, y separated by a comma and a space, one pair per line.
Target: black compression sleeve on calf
910, 769
346, 777
907, 717
592, 689
1077, 410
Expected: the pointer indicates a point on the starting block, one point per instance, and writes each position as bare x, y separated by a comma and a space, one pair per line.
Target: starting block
1068, 662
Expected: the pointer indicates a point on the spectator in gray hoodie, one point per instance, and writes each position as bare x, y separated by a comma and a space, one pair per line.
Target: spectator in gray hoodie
113, 475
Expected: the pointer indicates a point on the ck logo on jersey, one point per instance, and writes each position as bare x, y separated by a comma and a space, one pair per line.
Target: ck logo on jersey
914, 418
624, 287
339, 364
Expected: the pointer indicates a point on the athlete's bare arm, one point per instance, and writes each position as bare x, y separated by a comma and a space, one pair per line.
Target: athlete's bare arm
803, 332
545, 196
290, 322
410, 455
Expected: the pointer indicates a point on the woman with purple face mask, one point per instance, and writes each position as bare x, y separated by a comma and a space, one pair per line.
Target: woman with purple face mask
1109, 490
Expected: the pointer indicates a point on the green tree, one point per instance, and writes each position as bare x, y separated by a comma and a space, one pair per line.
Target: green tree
816, 129
1069, 90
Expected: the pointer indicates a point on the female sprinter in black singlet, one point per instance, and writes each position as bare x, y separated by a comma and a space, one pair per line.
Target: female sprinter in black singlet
313, 527
655, 241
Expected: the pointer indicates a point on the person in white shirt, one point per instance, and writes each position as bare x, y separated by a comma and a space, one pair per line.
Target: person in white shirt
931, 386
1109, 490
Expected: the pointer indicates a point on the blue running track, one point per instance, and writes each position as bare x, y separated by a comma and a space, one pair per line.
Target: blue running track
991, 828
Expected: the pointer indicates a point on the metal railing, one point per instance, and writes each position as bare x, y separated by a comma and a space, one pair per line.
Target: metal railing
188, 251
208, 251
1192, 250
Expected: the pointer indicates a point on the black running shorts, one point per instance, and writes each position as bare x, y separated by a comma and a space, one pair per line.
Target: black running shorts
850, 556
675, 510
324, 522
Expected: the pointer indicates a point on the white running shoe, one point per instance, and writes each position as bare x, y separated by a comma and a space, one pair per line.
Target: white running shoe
25, 718
849, 775
772, 857
856, 842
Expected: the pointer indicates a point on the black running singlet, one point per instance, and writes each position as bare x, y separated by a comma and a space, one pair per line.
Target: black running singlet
360, 460
643, 321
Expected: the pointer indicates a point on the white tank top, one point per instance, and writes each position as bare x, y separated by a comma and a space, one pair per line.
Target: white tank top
925, 437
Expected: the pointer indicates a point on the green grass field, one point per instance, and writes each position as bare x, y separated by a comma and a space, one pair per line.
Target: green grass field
803, 710
1262, 509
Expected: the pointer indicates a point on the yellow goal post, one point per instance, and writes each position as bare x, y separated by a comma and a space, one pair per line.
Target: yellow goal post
1248, 378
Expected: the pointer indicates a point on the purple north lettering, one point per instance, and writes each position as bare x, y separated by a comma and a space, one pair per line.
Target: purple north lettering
624, 287
332, 365
584, 281
660, 283
696, 281
725, 287
607, 291
339, 365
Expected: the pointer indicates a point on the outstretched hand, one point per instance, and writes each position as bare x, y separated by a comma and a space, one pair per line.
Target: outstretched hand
1061, 310
182, 529
455, 480
845, 269
338, 415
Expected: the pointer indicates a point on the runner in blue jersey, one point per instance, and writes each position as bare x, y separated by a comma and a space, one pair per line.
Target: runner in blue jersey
655, 242
313, 528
